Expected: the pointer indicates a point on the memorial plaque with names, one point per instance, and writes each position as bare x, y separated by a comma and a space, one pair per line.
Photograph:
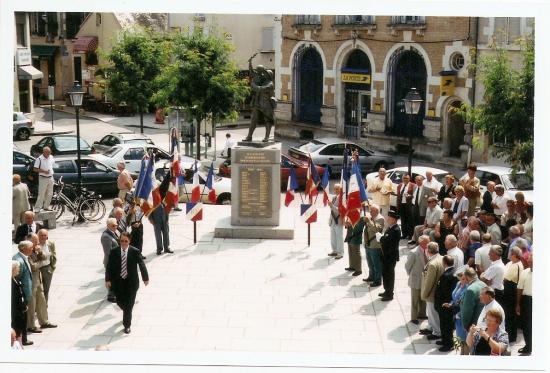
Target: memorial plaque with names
255, 195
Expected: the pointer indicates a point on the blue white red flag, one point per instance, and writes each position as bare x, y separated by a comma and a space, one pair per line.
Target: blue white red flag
312, 180
344, 181
324, 185
195, 189
193, 211
172, 195
145, 184
308, 213
291, 186
210, 184
356, 194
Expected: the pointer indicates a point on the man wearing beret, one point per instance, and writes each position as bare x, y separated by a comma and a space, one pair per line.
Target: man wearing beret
390, 255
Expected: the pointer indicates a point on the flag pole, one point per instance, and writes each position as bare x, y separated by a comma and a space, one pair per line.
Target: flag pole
194, 232
308, 234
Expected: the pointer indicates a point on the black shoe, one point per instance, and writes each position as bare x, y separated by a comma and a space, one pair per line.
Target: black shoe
375, 284
143, 257
415, 322
425, 331
332, 254
524, 350
386, 298
432, 337
168, 251
111, 299
367, 280
422, 317
349, 269
403, 237
127, 330
383, 294
48, 325
445, 349
159, 252
439, 343
411, 242
357, 273
27, 343
177, 209
33, 330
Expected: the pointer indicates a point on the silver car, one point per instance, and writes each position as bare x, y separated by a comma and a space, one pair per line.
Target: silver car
330, 151
22, 126
112, 139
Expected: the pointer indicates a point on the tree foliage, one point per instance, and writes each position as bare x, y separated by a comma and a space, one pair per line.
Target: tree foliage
201, 78
133, 64
507, 110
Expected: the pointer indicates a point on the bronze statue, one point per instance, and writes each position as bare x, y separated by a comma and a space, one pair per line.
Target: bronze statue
263, 100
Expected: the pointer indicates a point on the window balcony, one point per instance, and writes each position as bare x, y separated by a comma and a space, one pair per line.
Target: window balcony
307, 20
354, 20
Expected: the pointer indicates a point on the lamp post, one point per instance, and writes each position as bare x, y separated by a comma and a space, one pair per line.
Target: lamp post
412, 103
77, 95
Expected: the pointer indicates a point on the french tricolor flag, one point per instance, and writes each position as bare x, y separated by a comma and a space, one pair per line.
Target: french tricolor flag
196, 189
210, 184
324, 185
356, 194
312, 180
172, 195
291, 186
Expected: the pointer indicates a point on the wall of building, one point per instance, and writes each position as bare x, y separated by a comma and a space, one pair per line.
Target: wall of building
22, 18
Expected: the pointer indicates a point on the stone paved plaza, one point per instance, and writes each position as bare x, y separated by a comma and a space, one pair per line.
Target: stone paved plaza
235, 295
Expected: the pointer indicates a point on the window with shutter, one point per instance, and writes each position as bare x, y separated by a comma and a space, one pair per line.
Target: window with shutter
267, 39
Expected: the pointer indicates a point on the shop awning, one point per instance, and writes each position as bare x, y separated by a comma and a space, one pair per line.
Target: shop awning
85, 44
29, 72
43, 50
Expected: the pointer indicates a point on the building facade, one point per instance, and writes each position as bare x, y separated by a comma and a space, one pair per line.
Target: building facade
347, 76
23, 72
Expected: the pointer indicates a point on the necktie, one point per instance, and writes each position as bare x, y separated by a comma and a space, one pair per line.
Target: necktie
417, 193
123, 265
30, 229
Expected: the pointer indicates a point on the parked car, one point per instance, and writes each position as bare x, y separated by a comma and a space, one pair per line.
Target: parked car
503, 175
61, 145
131, 155
22, 165
22, 127
287, 162
329, 151
222, 185
96, 176
112, 139
396, 174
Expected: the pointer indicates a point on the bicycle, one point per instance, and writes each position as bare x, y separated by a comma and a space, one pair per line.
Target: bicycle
85, 205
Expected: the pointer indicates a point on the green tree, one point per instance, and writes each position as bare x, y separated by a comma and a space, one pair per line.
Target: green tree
507, 110
132, 66
202, 79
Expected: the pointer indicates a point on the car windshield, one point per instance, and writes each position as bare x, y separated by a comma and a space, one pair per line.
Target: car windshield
138, 141
519, 182
112, 152
69, 143
311, 146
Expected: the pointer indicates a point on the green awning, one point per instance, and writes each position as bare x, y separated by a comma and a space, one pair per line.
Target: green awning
43, 50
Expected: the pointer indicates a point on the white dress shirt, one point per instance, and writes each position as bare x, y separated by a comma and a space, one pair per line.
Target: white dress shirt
482, 257
490, 306
458, 255
433, 215
434, 184
495, 273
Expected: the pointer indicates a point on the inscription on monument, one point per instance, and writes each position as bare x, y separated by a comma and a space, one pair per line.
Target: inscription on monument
256, 157
255, 195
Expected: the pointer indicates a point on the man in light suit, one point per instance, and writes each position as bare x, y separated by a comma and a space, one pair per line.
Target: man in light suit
25, 276
421, 193
20, 200
121, 276
47, 266
336, 224
430, 276
416, 261
109, 241
374, 224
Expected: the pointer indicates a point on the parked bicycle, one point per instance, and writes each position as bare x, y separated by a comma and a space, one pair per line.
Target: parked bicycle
84, 205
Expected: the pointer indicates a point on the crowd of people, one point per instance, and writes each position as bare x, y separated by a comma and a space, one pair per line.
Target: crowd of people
469, 259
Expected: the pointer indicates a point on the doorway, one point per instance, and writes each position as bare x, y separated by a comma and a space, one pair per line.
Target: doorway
310, 77
456, 130
356, 76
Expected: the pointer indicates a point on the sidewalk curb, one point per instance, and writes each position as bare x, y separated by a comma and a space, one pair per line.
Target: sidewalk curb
52, 133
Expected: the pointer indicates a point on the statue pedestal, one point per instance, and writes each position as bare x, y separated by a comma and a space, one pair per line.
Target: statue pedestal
255, 194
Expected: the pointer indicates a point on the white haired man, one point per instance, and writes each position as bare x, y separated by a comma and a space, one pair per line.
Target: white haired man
109, 241
380, 190
336, 224
416, 261
43, 165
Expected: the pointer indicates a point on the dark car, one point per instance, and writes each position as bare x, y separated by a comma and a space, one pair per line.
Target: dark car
22, 165
60, 145
287, 162
96, 176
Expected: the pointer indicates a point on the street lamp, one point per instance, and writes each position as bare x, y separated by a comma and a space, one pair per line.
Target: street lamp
412, 102
77, 95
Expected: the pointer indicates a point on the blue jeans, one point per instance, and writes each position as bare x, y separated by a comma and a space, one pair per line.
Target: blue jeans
374, 263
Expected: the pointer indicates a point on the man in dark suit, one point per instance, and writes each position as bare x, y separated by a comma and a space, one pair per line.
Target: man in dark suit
25, 277
421, 193
487, 204
390, 255
28, 226
444, 294
447, 190
121, 275
404, 206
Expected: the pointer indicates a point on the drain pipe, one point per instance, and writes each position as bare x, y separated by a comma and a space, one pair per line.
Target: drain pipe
470, 148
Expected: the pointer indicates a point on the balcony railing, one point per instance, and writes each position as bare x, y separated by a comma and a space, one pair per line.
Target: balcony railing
353, 20
408, 20
307, 19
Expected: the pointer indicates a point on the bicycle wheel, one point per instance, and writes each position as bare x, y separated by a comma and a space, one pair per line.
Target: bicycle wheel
92, 209
58, 207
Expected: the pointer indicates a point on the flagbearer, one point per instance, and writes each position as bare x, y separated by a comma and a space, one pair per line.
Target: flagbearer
354, 238
390, 255
336, 225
